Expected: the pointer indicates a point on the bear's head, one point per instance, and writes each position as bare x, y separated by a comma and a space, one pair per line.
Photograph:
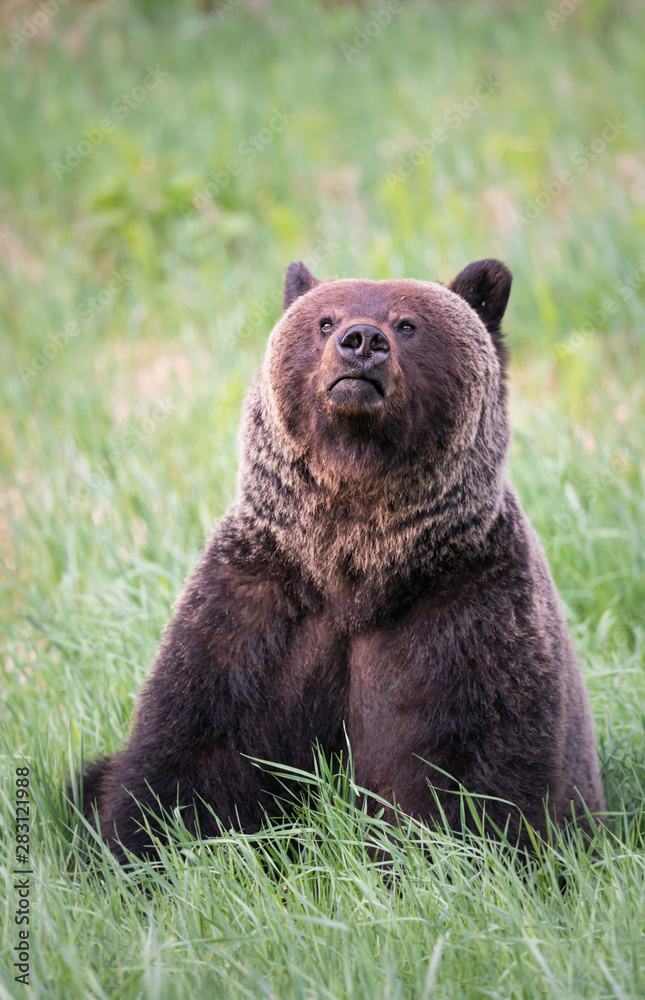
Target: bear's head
378, 417
365, 372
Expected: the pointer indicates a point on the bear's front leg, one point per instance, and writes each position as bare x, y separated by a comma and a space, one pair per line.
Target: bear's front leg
480, 685
244, 672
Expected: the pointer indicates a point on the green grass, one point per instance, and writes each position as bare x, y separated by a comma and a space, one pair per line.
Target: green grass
118, 452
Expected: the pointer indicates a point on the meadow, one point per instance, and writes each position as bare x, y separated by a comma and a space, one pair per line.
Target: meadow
162, 164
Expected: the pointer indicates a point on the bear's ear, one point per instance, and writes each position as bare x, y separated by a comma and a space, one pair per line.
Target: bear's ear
486, 286
298, 280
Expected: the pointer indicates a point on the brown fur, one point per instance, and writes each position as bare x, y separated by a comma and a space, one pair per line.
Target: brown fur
375, 572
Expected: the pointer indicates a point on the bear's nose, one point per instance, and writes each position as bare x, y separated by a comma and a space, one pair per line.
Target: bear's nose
363, 342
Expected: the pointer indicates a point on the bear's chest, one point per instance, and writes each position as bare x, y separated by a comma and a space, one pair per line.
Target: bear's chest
372, 681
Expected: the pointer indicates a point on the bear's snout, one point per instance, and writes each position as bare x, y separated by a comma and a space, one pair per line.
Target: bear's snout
364, 343
356, 369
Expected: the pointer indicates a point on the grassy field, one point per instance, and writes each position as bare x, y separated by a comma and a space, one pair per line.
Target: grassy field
161, 166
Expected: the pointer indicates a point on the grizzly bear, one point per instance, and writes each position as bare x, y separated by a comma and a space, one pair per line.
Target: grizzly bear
375, 581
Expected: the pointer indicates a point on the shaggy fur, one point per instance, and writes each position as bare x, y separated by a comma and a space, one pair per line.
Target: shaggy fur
376, 573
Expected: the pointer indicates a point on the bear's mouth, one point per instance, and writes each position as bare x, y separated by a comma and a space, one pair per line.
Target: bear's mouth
355, 389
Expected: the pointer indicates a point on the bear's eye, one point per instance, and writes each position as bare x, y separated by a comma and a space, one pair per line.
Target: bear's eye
326, 325
407, 326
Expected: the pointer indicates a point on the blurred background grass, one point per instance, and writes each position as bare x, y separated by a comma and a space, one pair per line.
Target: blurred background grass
163, 162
